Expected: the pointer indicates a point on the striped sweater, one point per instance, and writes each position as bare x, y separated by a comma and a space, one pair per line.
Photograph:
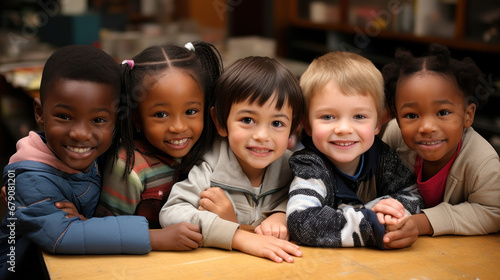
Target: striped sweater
144, 191
328, 209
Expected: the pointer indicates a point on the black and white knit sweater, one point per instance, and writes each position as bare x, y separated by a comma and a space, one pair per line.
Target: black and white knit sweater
328, 209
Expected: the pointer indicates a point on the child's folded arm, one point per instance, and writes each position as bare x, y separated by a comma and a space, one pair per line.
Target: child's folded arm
46, 225
182, 206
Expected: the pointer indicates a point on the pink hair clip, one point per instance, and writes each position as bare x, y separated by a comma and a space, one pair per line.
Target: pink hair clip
129, 62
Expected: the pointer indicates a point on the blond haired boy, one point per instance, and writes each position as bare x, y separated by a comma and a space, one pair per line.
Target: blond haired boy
348, 185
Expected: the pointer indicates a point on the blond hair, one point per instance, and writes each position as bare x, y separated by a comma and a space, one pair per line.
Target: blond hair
352, 73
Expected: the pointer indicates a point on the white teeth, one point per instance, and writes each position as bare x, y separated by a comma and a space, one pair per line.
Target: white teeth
344, 144
261, 151
178, 142
431, 143
78, 150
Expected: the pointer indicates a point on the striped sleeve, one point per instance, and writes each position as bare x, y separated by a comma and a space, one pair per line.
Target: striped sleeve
119, 195
313, 220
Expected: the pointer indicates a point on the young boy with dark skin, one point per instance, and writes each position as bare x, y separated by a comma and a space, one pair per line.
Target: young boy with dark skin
77, 111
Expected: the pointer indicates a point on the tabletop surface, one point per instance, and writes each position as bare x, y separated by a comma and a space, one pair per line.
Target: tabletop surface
444, 257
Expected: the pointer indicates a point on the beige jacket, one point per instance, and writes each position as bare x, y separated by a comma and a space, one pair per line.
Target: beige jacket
471, 203
220, 168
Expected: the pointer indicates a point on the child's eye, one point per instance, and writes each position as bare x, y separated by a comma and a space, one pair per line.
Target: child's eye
359, 117
443, 113
327, 117
160, 115
191, 112
411, 116
247, 120
277, 124
63, 117
99, 120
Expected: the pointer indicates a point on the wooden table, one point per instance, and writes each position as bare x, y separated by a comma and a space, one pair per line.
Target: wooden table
445, 257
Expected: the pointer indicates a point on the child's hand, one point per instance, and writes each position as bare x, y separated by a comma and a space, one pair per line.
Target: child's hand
389, 211
264, 246
401, 235
216, 201
70, 210
274, 225
178, 237
3, 195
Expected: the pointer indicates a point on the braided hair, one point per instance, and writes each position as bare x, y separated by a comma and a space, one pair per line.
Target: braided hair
464, 73
85, 63
203, 62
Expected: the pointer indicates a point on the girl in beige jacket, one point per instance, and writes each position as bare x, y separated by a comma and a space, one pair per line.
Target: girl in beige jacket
433, 100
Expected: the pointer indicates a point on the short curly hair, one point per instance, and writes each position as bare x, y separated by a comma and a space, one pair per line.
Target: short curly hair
464, 73
80, 63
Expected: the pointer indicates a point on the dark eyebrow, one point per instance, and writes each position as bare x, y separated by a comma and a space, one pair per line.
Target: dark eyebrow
411, 104
246, 111
96, 109
281, 116
443, 101
160, 104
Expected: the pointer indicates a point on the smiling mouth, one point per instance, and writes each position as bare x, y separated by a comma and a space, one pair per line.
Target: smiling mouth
343, 144
260, 151
178, 142
430, 143
79, 150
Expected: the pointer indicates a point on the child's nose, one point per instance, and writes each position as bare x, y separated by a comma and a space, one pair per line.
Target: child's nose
428, 125
178, 125
80, 132
342, 127
261, 134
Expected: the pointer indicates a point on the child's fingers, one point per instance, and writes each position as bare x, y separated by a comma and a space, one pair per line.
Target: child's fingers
212, 193
258, 230
192, 227
284, 235
207, 204
388, 210
195, 239
3, 195
387, 203
396, 240
194, 233
280, 232
65, 204
390, 220
277, 255
381, 218
265, 229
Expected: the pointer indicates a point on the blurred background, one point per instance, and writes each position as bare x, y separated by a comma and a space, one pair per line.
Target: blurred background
293, 31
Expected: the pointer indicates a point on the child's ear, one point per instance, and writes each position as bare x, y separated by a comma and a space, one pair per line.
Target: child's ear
37, 105
378, 127
222, 132
381, 121
307, 127
470, 111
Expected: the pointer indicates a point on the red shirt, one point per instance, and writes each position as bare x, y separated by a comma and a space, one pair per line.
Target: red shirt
432, 190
